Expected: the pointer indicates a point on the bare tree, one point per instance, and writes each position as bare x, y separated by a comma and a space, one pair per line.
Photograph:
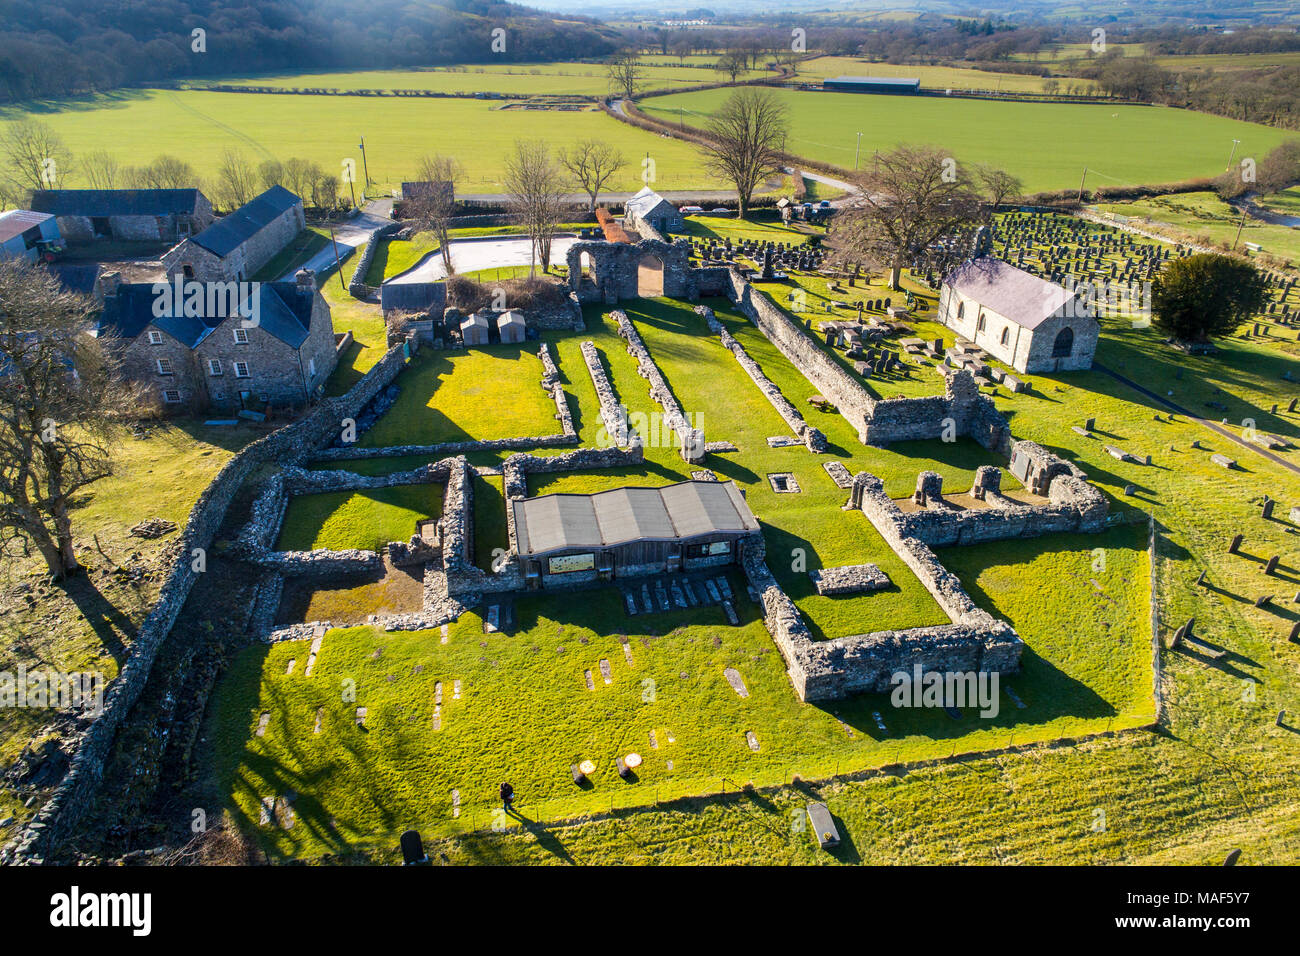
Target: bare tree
60, 397
101, 170
271, 173
732, 63
747, 140
34, 155
435, 206
237, 181
165, 172
299, 175
626, 78
999, 188
535, 183
593, 163
911, 198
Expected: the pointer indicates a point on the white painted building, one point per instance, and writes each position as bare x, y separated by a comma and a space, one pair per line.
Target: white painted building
1026, 322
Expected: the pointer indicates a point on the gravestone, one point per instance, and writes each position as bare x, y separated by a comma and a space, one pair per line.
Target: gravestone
413, 849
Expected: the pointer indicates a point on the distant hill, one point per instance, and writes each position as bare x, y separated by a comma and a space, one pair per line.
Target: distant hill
50, 49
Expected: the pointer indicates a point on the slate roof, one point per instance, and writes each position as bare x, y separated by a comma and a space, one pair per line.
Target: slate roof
645, 202
1017, 295
411, 296
684, 510
284, 313
230, 232
79, 277
116, 202
17, 221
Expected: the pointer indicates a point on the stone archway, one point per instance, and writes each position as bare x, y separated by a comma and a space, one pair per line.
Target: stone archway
649, 276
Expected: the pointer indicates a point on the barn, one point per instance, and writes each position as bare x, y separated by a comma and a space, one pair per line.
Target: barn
126, 214
872, 84
567, 539
234, 247
1024, 321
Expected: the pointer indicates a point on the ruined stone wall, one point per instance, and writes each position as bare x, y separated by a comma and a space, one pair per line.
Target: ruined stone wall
611, 412
647, 369
810, 436
833, 382
614, 269
290, 444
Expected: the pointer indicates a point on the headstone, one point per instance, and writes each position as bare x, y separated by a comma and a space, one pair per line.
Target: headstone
413, 849
1268, 508
1236, 543
1272, 564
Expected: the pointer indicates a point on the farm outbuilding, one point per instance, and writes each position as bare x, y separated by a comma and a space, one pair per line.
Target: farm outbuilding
474, 329
511, 326
126, 214
25, 234
648, 208
872, 84
565, 539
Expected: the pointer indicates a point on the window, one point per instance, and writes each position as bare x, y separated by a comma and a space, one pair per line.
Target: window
241, 336
172, 396
214, 366
1064, 343
155, 338
241, 370
188, 271
961, 310
165, 367
1006, 335
311, 367
979, 326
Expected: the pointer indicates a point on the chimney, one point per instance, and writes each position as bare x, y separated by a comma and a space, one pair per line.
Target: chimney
108, 284
306, 280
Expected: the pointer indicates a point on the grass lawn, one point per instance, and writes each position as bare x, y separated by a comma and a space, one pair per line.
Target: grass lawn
364, 320
366, 520
201, 125
485, 392
1207, 220
1046, 144
1286, 202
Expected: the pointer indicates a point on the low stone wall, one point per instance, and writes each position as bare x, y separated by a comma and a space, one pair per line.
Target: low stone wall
290, 444
357, 286
647, 369
810, 436
612, 413
849, 579
322, 563
833, 382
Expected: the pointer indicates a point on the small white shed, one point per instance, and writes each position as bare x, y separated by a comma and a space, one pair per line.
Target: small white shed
512, 327
474, 329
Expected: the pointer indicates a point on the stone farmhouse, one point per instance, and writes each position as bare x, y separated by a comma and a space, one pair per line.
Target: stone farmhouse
167, 215
24, 234
277, 350
234, 247
1029, 323
648, 209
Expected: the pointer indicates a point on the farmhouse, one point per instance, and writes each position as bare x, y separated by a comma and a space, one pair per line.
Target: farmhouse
142, 214
1029, 323
872, 84
25, 234
648, 208
237, 348
236, 246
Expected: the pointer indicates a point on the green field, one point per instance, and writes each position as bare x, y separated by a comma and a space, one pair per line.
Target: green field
518, 79
1206, 219
365, 520
136, 126
1046, 144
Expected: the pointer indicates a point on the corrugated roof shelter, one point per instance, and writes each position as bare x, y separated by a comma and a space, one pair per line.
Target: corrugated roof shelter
872, 84
22, 231
609, 519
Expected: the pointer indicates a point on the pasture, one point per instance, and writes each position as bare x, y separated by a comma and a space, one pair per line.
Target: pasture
931, 77
1046, 144
136, 126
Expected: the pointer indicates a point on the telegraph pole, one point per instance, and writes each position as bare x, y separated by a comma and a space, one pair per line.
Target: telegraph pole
1081, 182
858, 152
1235, 143
364, 165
